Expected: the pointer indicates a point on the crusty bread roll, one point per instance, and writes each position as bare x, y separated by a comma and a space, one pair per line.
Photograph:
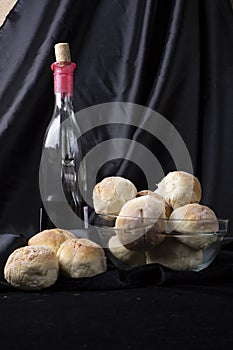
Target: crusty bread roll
139, 223
52, 238
175, 255
168, 209
81, 258
197, 219
31, 268
130, 257
67, 234
179, 188
111, 194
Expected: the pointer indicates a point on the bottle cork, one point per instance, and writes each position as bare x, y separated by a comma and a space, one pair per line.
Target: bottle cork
62, 52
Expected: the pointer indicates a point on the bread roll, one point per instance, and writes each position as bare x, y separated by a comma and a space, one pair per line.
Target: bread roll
81, 258
111, 194
138, 225
51, 238
67, 234
129, 257
179, 188
197, 223
175, 255
31, 268
168, 209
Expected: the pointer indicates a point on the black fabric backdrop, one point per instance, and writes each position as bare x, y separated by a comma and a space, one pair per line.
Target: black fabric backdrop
173, 56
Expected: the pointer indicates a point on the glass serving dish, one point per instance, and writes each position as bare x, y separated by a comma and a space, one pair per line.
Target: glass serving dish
177, 244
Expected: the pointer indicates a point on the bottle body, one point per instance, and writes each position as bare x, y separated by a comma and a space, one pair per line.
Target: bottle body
62, 173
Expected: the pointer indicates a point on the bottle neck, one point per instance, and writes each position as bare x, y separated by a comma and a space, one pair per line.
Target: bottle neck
63, 100
63, 73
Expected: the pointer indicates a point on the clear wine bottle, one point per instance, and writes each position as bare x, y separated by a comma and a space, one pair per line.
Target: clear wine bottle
62, 170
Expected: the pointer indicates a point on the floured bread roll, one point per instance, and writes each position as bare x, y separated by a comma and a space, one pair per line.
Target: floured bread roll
168, 209
31, 268
52, 238
140, 223
175, 255
81, 258
179, 188
194, 218
130, 257
111, 194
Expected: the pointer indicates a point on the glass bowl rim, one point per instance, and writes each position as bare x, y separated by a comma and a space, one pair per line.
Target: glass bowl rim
225, 221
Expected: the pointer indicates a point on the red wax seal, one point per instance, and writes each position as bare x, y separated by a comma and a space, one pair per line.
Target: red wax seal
63, 76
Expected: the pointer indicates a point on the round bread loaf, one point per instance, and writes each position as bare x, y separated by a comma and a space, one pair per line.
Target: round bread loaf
168, 209
139, 223
179, 188
31, 268
81, 258
51, 238
129, 257
175, 255
111, 194
197, 223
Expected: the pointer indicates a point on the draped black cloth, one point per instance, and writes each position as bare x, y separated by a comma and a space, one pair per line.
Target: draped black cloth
172, 56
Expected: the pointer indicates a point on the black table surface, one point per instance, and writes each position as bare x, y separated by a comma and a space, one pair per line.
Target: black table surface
148, 307
181, 316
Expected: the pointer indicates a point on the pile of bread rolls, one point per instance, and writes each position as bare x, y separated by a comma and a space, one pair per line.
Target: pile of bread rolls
52, 253
144, 220
160, 226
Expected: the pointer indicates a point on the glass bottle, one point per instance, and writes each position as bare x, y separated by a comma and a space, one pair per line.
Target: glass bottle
62, 172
